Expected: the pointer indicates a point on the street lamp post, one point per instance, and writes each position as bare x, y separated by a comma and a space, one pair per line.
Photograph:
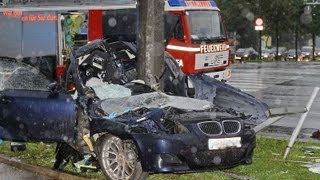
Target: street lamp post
259, 27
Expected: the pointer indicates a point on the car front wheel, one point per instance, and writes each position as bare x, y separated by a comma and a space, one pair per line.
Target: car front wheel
119, 159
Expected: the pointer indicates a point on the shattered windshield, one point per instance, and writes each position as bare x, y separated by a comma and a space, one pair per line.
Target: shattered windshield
206, 26
18, 75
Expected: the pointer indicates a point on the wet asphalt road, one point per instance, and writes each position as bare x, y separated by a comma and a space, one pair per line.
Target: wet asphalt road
282, 84
11, 173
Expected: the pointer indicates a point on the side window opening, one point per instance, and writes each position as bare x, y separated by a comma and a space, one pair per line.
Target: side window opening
120, 25
173, 26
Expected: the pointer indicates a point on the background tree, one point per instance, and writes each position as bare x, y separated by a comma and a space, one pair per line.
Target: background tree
238, 16
281, 20
310, 20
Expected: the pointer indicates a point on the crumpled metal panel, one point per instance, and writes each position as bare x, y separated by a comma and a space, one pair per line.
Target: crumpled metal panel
174, 78
221, 94
228, 97
83, 50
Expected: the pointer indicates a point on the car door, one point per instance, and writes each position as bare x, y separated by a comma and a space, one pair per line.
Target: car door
29, 115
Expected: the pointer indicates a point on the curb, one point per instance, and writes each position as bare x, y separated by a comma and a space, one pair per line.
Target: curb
39, 170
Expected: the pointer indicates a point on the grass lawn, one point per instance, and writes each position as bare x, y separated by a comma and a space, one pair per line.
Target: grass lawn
267, 162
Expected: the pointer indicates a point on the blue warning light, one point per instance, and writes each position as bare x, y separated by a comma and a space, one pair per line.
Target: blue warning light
177, 3
192, 3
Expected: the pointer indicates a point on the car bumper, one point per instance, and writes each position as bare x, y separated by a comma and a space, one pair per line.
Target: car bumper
187, 152
306, 56
222, 75
238, 57
242, 57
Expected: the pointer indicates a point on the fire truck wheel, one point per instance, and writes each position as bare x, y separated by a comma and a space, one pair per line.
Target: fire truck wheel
119, 159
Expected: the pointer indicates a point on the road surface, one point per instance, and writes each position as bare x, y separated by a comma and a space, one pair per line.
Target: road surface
282, 84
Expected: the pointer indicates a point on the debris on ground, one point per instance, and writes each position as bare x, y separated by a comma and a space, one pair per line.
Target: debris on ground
310, 150
315, 168
316, 135
312, 147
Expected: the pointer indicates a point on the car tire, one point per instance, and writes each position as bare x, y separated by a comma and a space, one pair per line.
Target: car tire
118, 159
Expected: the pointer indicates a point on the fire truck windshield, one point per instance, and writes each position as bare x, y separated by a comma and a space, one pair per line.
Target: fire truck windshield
206, 26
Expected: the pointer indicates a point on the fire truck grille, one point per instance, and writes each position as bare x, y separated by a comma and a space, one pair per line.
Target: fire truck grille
210, 60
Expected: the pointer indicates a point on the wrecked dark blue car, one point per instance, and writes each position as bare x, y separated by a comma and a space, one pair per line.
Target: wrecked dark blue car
129, 128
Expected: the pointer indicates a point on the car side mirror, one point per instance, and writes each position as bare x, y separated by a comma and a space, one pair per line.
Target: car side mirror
54, 89
52, 86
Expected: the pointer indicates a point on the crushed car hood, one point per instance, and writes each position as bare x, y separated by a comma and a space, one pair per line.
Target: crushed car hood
152, 100
228, 97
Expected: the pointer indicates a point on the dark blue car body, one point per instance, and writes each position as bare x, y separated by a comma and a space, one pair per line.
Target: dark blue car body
43, 116
193, 140
34, 115
162, 151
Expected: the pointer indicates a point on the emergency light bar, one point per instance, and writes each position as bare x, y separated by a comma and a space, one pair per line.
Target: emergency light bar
192, 3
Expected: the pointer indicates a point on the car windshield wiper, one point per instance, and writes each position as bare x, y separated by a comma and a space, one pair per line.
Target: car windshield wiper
219, 38
212, 39
204, 38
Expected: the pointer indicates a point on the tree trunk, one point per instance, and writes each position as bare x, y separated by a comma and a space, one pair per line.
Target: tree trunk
151, 41
277, 41
296, 41
313, 45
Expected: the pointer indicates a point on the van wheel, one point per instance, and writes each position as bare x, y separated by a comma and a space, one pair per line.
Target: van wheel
119, 159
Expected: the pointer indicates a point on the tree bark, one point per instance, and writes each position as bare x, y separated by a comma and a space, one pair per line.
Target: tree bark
151, 41
277, 41
296, 42
313, 45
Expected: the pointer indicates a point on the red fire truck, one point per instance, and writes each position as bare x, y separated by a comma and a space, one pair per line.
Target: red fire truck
194, 31
48, 30
43, 32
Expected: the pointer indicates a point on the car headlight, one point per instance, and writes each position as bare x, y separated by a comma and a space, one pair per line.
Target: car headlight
246, 55
228, 73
